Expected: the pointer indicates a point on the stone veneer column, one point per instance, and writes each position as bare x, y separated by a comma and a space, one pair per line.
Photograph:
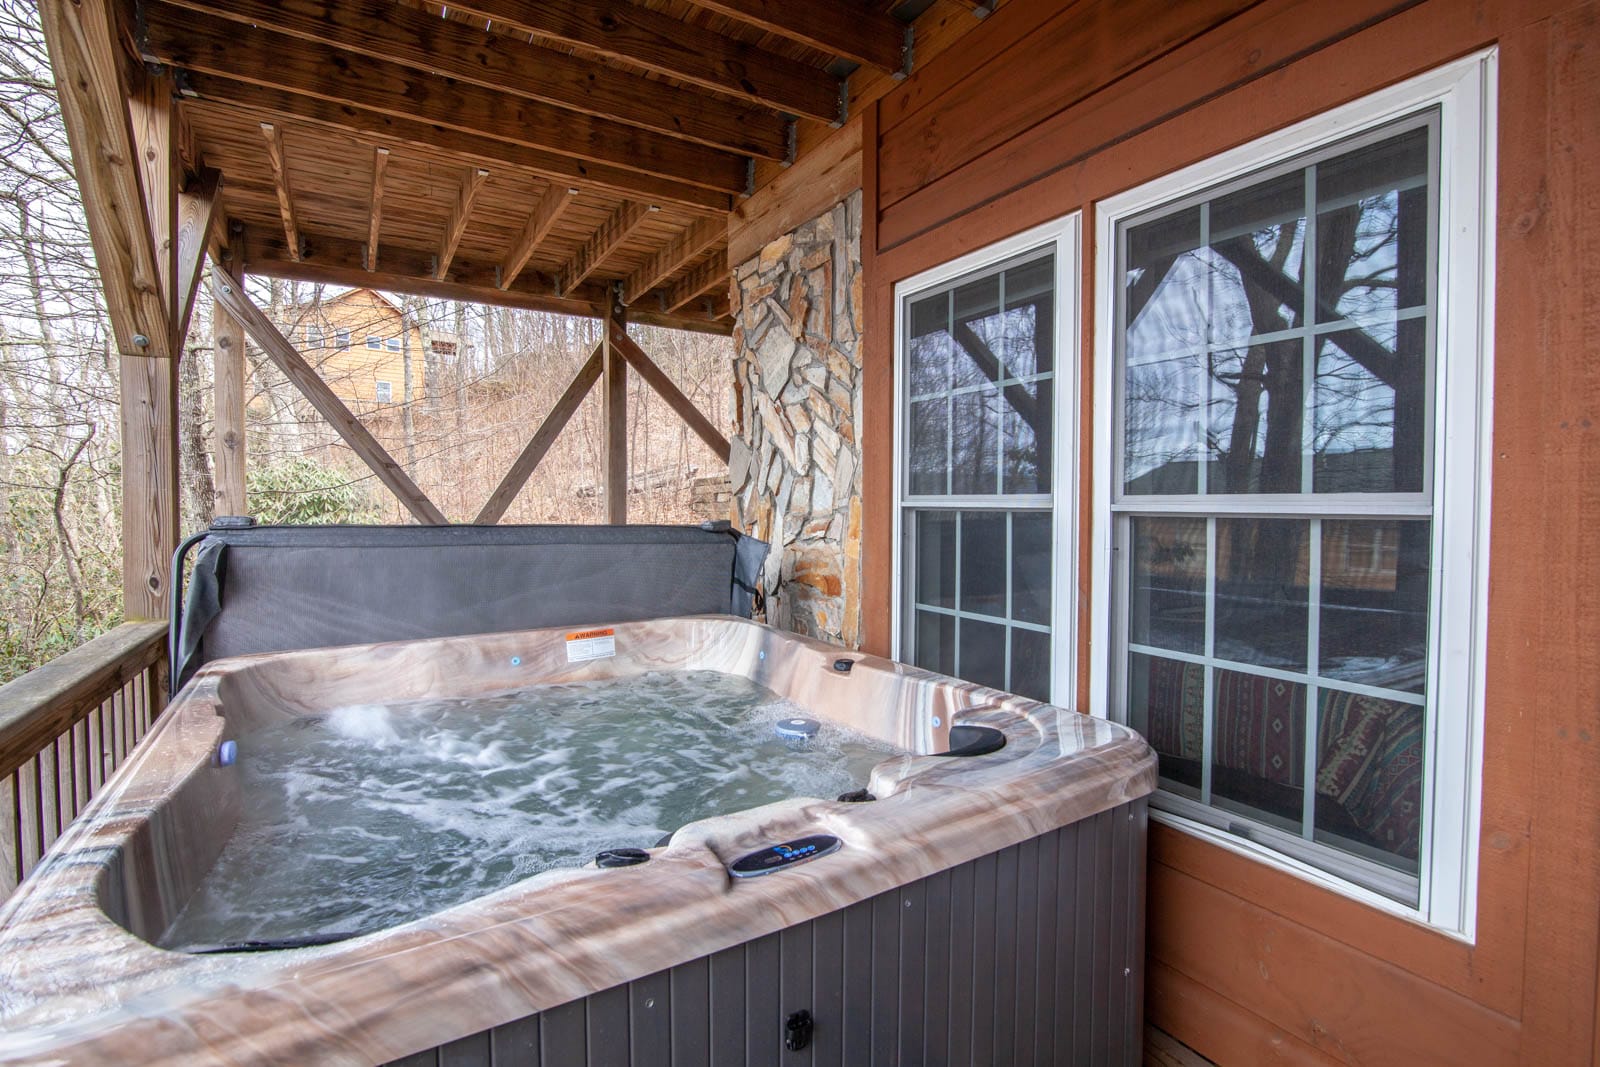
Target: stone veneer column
795, 465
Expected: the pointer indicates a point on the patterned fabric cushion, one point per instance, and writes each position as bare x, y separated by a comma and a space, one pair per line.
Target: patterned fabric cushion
1348, 729
1177, 693
1260, 727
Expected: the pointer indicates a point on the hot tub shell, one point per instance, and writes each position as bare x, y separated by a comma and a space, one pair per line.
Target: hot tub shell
991, 906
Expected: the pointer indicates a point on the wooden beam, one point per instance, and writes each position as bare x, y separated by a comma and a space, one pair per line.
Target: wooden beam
149, 423
552, 205
380, 163
543, 438
84, 54
819, 180
155, 139
280, 182
339, 261
422, 40
224, 97
213, 45
843, 28
606, 240
704, 278
228, 447
457, 224
666, 45
231, 297
668, 391
198, 207
614, 420
688, 245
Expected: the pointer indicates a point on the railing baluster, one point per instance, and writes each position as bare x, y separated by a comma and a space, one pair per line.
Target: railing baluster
64, 729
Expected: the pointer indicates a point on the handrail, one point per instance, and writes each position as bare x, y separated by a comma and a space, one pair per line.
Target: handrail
45, 703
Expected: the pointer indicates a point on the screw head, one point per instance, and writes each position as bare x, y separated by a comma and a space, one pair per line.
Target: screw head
141, 341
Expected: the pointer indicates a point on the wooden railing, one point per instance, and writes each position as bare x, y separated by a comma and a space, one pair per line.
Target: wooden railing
64, 728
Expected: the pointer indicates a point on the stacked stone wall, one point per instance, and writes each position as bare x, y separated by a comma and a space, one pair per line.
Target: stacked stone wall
795, 464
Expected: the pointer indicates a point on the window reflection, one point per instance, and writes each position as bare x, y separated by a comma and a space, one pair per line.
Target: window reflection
1218, 315
1167, 607
1374, 618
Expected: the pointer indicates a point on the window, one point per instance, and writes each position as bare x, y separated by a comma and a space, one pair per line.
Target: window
385, 393
313, 335
1293, 431
375, 342
343, 339
982, 448
392, 344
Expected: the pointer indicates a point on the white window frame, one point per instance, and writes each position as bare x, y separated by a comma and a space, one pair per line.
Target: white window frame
377, 391
1461, 442
374, 342
1063, 237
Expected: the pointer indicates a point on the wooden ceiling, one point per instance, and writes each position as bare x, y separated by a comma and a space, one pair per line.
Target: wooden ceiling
538, 153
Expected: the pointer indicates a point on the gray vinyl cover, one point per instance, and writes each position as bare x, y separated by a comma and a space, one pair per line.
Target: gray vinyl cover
274, 588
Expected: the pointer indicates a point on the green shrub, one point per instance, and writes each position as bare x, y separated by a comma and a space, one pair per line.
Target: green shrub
303, 492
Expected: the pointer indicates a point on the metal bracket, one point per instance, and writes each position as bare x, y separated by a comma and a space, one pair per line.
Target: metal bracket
791, 140
908, 54
749, 178
844, 104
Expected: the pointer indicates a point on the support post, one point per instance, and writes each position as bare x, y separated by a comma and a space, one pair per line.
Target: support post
229, 442
614, 413
149, 483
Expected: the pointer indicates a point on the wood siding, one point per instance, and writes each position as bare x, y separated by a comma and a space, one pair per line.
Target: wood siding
1053, 105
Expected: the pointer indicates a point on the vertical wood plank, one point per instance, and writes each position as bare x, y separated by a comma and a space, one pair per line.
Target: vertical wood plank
936, 970
1120, 966
691, 1012
1041, 995
606, 1025
964, 920
562, 1035
149, 413
857, 1015
1005, 955
228, 439
984, 903
1081, 987
650, 1020
763, 1037
827, 987
1027, 951
614, 421
516, 1044
912, 954
885, 979
471, 1051
794, 983
728, 1014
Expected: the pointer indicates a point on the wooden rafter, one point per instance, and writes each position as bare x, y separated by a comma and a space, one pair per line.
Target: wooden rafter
384, 30
538, 445
198, 42
197, 210
457, 224
226, 96
554, 204
688, 245
380, 163
231, 296
340, 261
668, 391
606, 240
280, 181
665, 45
707, 276
87, 61
838, 27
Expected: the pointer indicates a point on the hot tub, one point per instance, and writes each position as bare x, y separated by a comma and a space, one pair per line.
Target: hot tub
983, 909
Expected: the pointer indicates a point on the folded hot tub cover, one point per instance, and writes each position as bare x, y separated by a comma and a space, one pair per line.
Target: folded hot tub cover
275, 588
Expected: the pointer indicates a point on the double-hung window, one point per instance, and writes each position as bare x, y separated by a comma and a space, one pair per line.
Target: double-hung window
1291, 488
983, 355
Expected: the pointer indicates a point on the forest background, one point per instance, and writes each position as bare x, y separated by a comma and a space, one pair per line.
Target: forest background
480, 399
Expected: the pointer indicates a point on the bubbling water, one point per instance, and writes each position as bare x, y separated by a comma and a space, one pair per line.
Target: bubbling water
373, 815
